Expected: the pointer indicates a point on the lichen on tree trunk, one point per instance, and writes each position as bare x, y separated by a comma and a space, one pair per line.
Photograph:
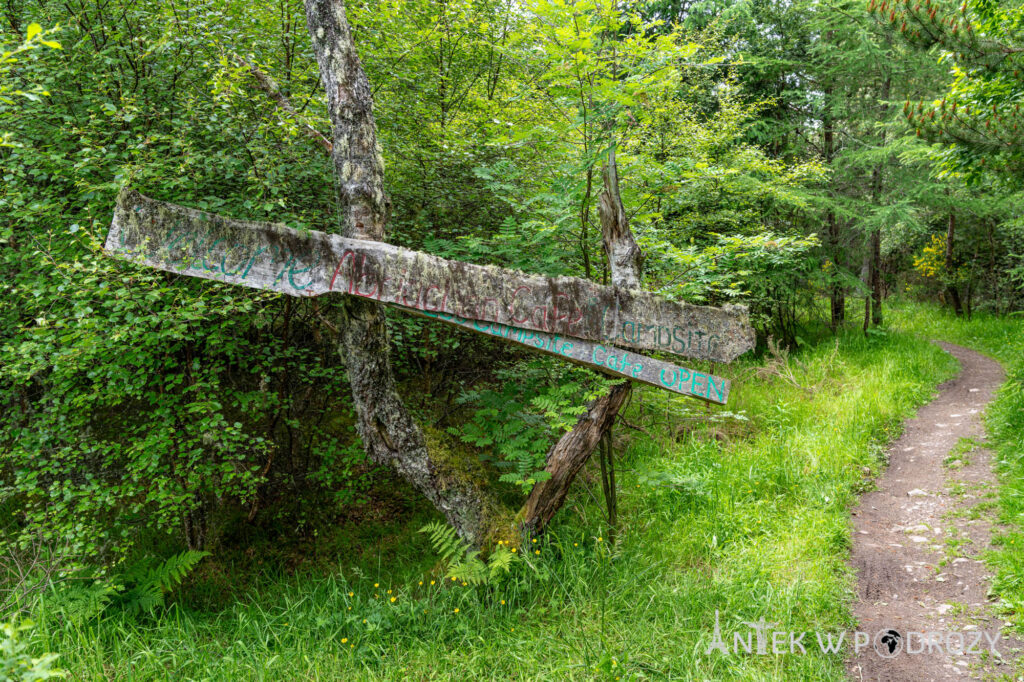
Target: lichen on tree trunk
389, 433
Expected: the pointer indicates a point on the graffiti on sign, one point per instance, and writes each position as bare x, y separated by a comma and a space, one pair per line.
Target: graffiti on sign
575, 318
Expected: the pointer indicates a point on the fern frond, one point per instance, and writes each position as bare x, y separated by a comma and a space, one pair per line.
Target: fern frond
445, 542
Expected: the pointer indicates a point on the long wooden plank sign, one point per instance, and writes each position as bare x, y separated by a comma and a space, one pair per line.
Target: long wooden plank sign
607, 359
273, 256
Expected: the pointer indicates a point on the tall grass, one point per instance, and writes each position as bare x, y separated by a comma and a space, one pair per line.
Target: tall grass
743, 510
1003, 339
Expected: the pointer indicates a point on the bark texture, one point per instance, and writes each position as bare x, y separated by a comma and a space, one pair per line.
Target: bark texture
389, 433
573, 450
568, 456
273, 256
625, 259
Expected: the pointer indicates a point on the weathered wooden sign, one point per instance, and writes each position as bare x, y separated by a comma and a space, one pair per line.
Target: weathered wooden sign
569, 317
608, 359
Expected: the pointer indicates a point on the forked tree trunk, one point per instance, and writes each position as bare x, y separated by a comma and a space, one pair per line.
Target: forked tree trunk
573, 450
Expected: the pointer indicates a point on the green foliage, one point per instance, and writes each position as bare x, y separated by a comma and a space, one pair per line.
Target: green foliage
143, 585
537, 401
139, 587
978, 117
16, 662
35, 37
136, 403
460, 563
764, 533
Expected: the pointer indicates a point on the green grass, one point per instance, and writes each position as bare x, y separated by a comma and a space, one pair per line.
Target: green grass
747, 517
1001, 338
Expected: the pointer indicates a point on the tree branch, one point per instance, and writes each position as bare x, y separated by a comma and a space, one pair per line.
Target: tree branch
268, 85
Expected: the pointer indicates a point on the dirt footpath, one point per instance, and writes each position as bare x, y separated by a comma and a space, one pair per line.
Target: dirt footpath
922, 591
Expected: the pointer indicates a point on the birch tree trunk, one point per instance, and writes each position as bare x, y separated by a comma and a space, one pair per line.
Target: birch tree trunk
389, 433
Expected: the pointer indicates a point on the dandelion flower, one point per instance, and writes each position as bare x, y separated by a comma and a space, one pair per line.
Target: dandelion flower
456, 610
463, 584
535, 541
376, 584
453, 578
599, 539
389, 591
351, 594
513, 549
431, 582
502, 602
344, 640
575, 544
536, 551
393, 599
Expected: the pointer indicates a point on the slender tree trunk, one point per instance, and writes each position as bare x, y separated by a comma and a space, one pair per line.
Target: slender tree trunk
875, 272
951, 288
608, 484
876, 277
837, 293
865, 278
389, 433
585, 224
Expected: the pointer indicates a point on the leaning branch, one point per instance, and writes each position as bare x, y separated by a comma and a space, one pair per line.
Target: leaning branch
268, 85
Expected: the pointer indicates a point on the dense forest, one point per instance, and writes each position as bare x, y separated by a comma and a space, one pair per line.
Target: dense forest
201, 480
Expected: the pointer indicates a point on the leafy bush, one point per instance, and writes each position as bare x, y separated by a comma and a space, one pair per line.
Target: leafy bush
16, 663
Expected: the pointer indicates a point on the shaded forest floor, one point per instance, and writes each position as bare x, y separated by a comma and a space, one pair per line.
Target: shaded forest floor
742, 510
